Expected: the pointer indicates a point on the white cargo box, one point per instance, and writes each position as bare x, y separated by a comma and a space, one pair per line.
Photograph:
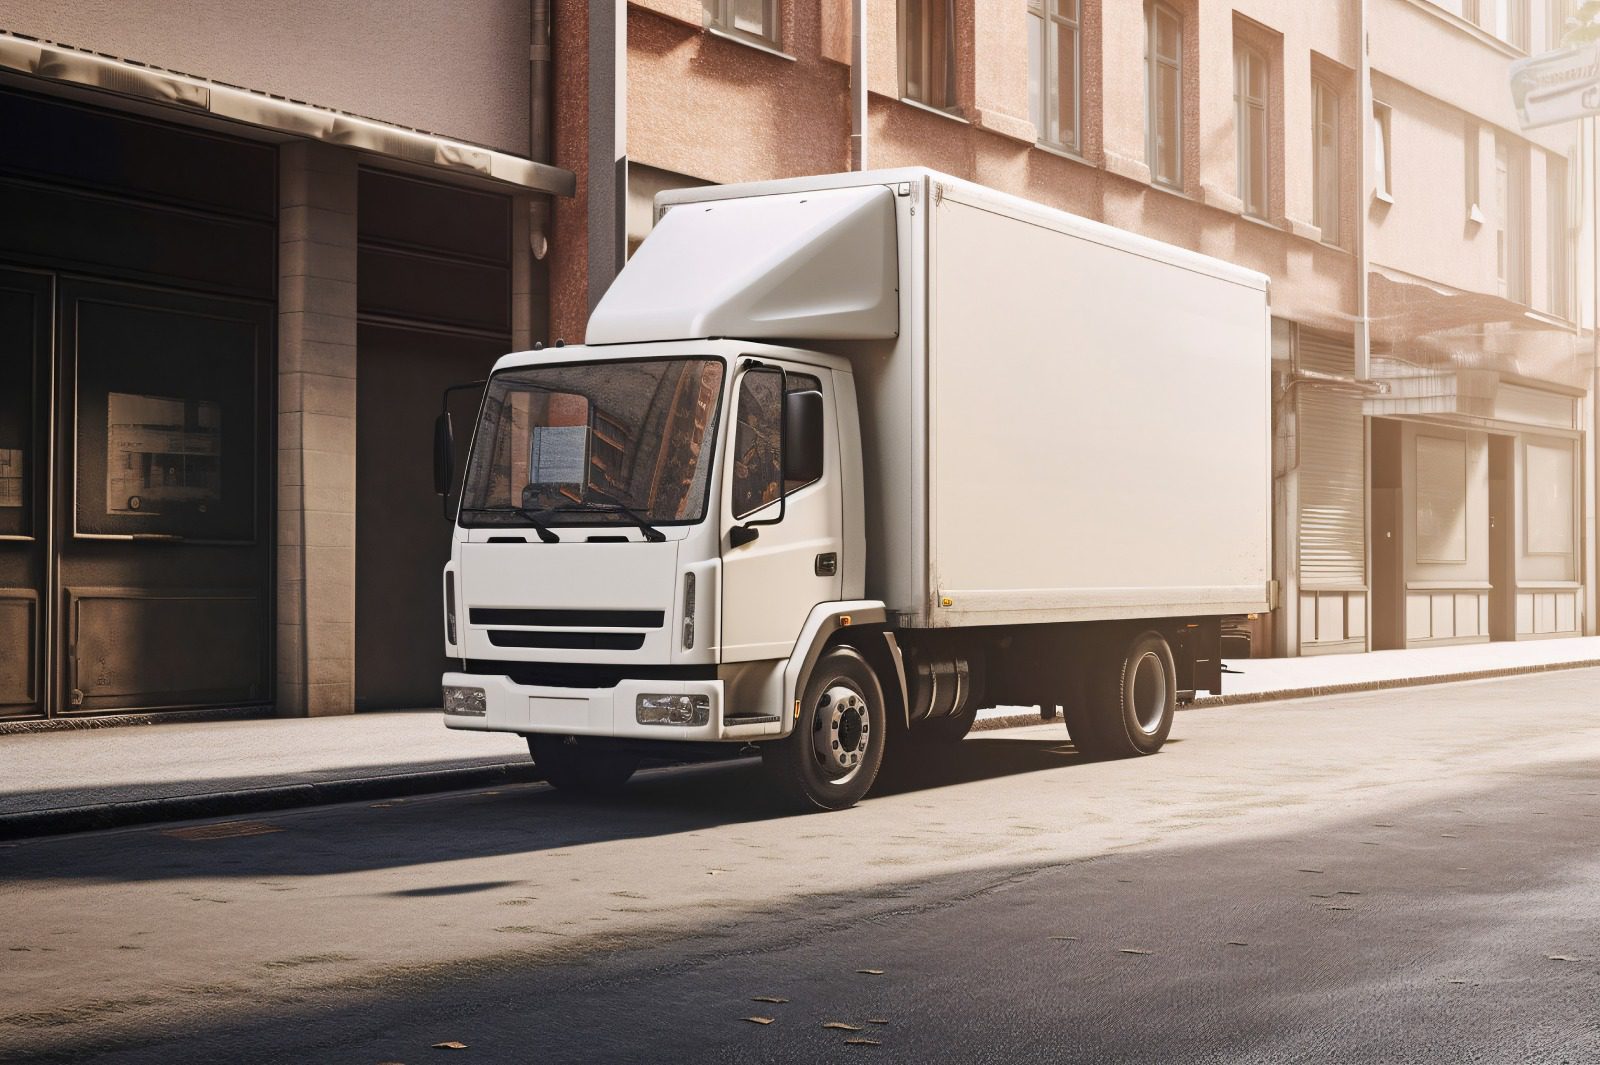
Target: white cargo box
1071, 423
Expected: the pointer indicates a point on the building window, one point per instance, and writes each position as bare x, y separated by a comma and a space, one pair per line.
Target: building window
757, 19
1055, 70
1506, 19
1164, 94
1325, 159
1557, 237
928, 52
1441, 494
1250, 124
1557, 12
1469, 171
1382, 156
1549, 503
1511, 219
1510, 21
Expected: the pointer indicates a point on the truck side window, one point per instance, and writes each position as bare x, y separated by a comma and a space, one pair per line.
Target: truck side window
757, 440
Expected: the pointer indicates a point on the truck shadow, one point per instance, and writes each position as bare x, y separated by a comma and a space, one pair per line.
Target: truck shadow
511, 819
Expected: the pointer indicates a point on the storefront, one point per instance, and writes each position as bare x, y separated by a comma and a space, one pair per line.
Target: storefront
136, 353
222, 346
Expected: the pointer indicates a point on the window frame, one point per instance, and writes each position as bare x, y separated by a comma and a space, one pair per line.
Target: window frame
1327, 176
789, 382
925, 53
1512, 219
1046, 17
1383, 143
1252, 130
1558, 225
719, 15
1154, 63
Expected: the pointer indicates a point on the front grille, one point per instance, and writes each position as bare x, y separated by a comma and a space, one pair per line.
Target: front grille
568, 619
568, 641
582, 675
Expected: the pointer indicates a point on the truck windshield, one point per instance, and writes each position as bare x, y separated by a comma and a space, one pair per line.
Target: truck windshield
575, 444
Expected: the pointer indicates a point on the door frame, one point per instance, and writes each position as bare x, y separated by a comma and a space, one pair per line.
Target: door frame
41, 474
64, 360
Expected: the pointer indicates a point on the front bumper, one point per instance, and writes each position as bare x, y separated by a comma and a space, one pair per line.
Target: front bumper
528, 708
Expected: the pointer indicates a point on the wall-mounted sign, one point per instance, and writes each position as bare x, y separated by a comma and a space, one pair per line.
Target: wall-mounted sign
1556, 86
163, 455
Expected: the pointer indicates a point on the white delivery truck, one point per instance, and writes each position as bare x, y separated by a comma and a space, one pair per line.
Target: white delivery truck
844, 459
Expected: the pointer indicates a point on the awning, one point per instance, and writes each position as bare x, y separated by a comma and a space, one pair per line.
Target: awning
1423, 328
54, 62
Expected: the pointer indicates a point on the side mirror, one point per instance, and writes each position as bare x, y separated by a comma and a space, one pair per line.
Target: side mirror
802, 436
444, 448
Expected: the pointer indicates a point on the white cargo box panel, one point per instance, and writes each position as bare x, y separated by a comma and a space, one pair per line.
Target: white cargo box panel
1069, 422
1098, 420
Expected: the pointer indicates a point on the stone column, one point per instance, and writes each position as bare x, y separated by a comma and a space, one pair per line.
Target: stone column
316, 574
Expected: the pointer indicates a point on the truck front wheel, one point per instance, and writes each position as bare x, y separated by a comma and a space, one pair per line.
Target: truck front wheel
1132, 695
570, 766
832, 757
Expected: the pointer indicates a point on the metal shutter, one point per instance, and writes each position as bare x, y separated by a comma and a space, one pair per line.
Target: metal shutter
1332, 453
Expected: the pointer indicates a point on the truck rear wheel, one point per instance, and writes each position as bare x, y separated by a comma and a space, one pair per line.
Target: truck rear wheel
832, 757
570, 766
1132, 695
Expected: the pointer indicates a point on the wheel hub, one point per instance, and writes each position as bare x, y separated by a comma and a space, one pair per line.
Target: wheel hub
1149, 692
841, 731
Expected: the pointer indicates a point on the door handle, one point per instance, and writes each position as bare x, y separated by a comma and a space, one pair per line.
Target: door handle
827, 564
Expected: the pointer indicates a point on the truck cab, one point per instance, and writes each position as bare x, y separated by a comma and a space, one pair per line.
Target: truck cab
606, 491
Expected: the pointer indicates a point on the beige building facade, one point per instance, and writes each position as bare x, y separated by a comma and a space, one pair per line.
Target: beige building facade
1431, 263
245, 248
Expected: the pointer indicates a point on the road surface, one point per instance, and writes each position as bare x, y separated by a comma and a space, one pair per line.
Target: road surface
1399, 876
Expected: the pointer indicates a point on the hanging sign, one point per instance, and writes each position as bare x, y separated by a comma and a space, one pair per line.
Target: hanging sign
1556, 86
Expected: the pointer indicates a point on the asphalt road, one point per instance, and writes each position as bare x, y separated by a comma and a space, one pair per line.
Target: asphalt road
1403, 876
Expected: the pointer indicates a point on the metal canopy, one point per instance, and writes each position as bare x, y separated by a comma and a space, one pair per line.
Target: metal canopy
57, 63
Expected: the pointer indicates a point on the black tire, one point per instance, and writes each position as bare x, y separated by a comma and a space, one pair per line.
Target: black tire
570, 766
1133, 693
1075, 701
833, 755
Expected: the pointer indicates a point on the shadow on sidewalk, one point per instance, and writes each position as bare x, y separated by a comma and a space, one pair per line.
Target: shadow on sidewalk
511, 819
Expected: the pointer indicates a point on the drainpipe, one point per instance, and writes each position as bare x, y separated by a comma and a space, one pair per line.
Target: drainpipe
1591, 625
1363, 330
539, 58
1363, 337
608, 144
858, 85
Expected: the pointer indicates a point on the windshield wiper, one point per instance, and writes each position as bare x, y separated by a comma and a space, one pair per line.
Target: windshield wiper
613, 505
530, 516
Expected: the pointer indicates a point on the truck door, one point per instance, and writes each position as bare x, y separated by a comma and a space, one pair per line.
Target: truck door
770, 584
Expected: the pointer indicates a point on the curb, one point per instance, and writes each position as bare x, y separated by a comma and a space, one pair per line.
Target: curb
1283, 694
33, 823
125, 720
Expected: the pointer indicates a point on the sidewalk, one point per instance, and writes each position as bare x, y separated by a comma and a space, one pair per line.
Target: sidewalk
79, 779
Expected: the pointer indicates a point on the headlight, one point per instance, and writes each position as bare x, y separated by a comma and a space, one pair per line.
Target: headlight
472, 701
673, 709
